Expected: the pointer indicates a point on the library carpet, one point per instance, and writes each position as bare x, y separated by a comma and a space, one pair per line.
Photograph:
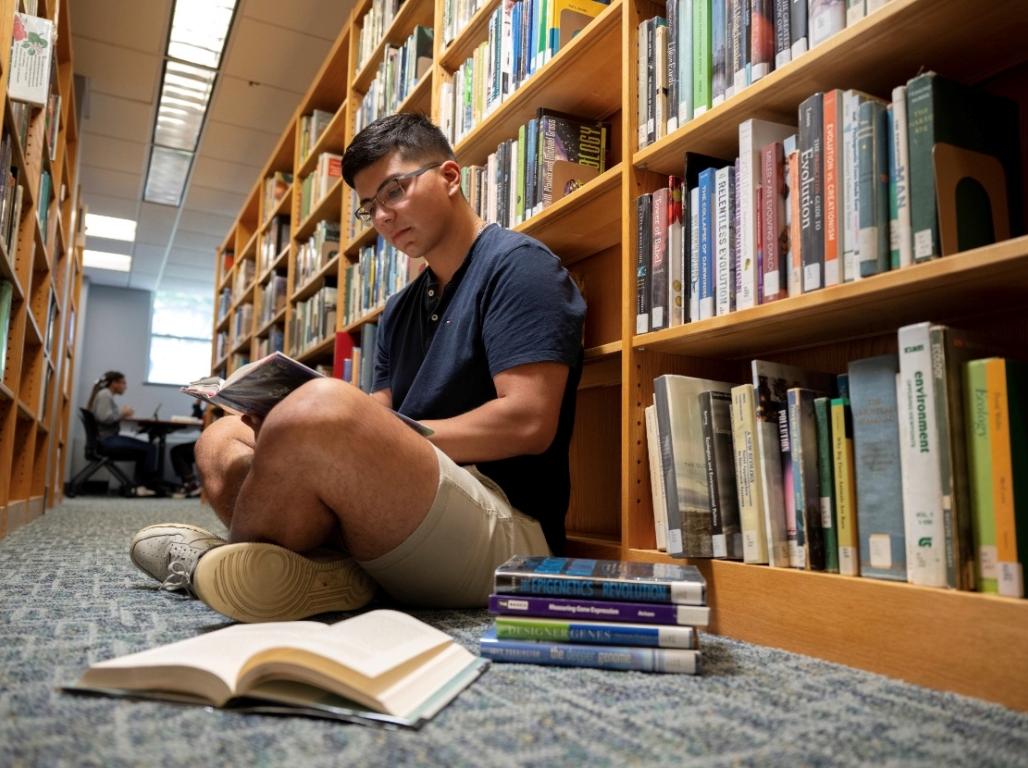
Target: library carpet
69, 596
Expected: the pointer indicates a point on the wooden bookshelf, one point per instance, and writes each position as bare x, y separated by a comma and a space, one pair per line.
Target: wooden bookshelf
44, 267
957, 641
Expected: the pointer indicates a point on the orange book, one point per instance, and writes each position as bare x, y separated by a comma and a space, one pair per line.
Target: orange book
1011, 583
833, 189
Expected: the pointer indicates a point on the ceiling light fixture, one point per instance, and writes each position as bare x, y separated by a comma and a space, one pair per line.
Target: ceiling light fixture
117, 262
199, 30
110, 227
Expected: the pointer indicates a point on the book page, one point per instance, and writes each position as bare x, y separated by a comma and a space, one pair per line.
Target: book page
207, 665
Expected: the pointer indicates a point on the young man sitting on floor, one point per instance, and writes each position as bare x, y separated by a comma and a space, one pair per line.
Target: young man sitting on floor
484, 347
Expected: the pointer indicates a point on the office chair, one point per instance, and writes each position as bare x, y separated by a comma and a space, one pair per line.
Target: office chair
98, 459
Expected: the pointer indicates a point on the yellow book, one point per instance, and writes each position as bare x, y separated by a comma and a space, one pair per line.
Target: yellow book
845, 488
566, 18
1008, 567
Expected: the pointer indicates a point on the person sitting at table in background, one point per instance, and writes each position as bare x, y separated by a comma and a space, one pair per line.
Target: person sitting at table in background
122, 447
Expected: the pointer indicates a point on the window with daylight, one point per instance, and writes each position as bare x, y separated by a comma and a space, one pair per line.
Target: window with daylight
180, 337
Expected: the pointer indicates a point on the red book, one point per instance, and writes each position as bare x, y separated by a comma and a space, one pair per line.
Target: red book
343, 351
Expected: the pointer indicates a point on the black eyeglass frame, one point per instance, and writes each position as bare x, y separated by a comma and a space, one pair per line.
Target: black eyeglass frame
364, 215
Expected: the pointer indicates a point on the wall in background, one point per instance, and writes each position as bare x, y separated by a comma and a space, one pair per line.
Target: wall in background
114, 334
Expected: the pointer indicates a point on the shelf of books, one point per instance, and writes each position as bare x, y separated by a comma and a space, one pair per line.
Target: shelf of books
40, 265
759, 232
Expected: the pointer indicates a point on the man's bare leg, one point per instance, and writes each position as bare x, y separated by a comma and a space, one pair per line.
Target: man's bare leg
224, 453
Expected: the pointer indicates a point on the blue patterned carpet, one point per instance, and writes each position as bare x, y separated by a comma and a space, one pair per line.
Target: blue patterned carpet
69, 596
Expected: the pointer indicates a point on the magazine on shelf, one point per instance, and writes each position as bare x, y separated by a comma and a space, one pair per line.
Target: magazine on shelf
255, 388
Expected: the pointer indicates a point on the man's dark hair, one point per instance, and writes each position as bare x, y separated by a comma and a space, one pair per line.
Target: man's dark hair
415, 136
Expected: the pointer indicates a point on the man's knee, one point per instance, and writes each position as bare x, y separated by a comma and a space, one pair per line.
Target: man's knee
317, 406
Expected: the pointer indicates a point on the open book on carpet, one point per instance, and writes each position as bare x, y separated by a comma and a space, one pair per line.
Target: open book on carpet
382, 666
256, 387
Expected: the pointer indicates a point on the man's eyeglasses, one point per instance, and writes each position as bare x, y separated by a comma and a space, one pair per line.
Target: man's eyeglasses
391, 192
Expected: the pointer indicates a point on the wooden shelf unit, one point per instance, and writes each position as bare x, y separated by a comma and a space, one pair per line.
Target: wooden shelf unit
45, 269
964, 642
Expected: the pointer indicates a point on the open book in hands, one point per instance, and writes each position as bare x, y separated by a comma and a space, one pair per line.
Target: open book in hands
379, 667
256, 387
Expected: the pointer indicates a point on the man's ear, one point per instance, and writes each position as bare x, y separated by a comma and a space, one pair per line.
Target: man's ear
451, 172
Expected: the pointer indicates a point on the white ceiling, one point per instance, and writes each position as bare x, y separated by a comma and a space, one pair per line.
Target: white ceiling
274, 50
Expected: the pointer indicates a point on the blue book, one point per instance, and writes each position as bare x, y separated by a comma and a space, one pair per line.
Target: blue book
590, 579
706, 239
678, 660
872, 383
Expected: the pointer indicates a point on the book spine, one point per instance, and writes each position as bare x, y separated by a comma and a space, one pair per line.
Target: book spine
833, 122
872, 141
921, 97
845, 487
588, 589
606, 657
677, 257
762, 38
671, 10
980, 466
811, 192
719, 546
748, 486
794, 527
769, 452
742, 75
795, 265
694, 254
701, 56
901, 242
643, 250
854, 11
724, 240
706, 240
643, 83
826, 483
659, 259
953, 501
783, 34
798, 26
685, 61
1009, 572
919, 459
879, 485
607, 610
806, 489
772, 203
661, 398
749, 178
825, 20
595, 633
724, 475
660, 78
850, 187
1017, 418
718, 52
656, 478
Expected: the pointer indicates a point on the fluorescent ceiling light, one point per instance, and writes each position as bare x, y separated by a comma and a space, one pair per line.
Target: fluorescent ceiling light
110, 227
166, 178
118, 262
199, 30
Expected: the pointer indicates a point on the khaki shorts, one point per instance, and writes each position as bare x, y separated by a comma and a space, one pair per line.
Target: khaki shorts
449, 560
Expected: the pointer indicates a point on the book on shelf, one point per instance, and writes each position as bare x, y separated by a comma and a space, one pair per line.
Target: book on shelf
257, 387
602, 579
381, 667
32, 43
600, 610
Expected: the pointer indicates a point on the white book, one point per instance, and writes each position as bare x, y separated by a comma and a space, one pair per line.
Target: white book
874, 5
380, 666
748, 485
643, 84
724, 240
919, 458
694, 254
900, 232
855, 11
754, 134
660, 36
826, 18
492, 213
657, 493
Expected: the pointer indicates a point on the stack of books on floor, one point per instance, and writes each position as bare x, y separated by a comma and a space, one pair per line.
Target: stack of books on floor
608, 614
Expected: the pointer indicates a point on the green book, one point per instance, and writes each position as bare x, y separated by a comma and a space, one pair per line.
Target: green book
980, 465
6, 294
826, 482
701, 63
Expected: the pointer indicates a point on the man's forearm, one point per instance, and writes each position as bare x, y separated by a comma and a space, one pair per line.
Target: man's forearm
499, 429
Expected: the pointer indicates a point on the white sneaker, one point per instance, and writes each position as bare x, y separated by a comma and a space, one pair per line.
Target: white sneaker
169, 552
142, 490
